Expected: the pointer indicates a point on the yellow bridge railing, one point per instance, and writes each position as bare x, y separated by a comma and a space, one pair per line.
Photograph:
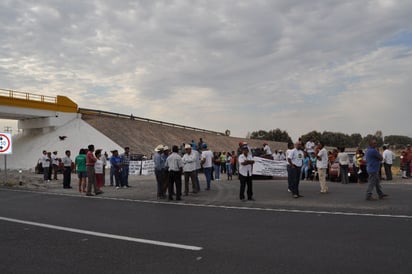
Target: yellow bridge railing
30, 100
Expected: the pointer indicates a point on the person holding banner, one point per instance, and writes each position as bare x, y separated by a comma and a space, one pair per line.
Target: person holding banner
245, 174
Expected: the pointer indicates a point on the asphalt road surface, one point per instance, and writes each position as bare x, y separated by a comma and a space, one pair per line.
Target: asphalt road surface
59, 231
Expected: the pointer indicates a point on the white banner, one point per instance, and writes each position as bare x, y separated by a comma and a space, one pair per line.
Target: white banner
148, 167
135, 167
267, 167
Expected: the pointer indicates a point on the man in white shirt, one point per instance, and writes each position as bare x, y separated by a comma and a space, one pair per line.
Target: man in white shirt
198, 168
295, 161
174, 164
282, 156
206, 161
322, 165
343, 160
245, 174
290, 148
388, 157
67, 169
267, 150
55, 164
45, 162
310, 146
189, 169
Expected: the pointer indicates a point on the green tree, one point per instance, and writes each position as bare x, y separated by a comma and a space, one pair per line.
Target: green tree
367, 138
259, 135
355, 140
317, 136
397, 140
272, 135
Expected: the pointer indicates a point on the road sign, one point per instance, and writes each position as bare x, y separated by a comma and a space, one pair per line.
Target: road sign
5, 143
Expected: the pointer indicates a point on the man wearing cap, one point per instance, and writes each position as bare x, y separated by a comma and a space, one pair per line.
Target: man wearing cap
159, 164
189, 169
245, 173
207, 161
125, 161
174, 164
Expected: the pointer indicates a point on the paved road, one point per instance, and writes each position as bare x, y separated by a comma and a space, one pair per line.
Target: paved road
212, 232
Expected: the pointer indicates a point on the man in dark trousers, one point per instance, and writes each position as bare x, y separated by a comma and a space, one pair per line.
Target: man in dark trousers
67, 169
295, 158
373, 166
245, 174
174, 164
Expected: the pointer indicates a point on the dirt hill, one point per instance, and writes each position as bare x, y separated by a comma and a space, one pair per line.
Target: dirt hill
143, 136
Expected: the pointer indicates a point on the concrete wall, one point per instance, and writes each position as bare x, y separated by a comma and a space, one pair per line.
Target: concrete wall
57, 120
28, 147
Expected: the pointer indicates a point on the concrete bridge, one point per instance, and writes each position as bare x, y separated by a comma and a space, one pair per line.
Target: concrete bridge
58, 124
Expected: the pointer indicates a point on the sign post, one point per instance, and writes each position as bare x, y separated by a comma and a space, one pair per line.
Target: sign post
5, 148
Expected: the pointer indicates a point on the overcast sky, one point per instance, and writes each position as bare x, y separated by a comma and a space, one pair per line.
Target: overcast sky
297, 65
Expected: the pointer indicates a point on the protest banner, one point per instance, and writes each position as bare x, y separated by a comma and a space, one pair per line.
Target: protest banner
268, 167
135, 167
147, 167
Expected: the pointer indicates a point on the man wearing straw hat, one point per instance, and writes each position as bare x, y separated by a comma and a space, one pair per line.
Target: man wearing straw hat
159, 163
189, 169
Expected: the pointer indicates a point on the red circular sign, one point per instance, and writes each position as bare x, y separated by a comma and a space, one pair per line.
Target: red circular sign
5, 143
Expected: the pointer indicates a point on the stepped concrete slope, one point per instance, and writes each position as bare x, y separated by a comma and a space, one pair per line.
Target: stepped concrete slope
28, 146
142, 136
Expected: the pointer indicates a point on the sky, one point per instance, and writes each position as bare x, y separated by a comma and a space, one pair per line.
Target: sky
297, 65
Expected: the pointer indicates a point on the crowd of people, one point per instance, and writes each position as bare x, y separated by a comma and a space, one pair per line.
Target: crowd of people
311, 158
171, 166
304, 162
90, 167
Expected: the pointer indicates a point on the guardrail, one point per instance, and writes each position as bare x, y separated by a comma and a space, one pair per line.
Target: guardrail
27, 96
36, 101
132, 117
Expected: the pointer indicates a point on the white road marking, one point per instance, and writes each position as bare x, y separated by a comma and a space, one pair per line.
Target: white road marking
225, 207
104, 235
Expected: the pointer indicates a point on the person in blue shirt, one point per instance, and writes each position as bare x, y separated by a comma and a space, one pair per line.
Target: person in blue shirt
159, 163
373, 166
115, 164
304, 172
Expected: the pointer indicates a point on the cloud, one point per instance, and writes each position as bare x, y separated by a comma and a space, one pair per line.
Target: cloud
238, 65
